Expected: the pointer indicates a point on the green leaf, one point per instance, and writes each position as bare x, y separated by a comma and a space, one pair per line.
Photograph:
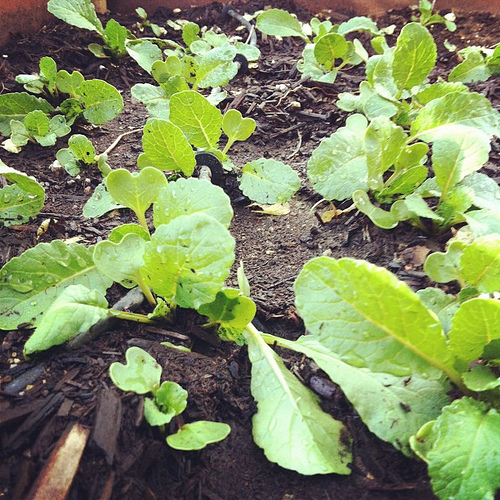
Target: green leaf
74, 311
444, 267
170, 401
118, 233
37, 123
414, 57
30, 283
452, 112
190, 33
384, 142
21, 200
100, 203
144, 52
475, 325
48, 70
115, 36
486, 191
236, 127
102, 101
440, 303
358, 23
269, 181
191, 196
483, 222
68, 83
141, 374
187, 260
458, 155
82, 148
79, 13
154, 98
232, 312
472, 69
277, 22
200, 121
15, 106
166, 148
480, 379
330, 47
440, 89
136, 191
461, 449
480, 263
121, 261
216, 67
379, 216
290, 425
393, 408
369, 318
337, 167
198, 435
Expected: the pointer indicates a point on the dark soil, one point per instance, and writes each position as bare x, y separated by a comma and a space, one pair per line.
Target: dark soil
125, 457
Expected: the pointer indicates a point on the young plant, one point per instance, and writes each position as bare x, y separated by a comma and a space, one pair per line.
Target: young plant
478, 65
142, 374
26, 117
81, 13
146, 23
427, 18
388, 156
22, 199
329, 51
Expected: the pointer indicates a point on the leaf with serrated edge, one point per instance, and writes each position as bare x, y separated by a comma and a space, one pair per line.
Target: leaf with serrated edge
269, 181
74, 311
30, 283
187, 260
200, 121
289, 425
475, 324
166, 148
461, 449
370, 319
141, 373
393, 408
190, 196
414, 57
480, 263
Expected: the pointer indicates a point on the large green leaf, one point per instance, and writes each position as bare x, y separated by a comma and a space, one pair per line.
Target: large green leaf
200, 121
393, 408
154, 98
269, 181
79, 13
414, 57
474, 326
166, 148
370, 319
461, 449
448, 114
102, 101
74, 311
15, 106
289, 424
337, 166
144, 52
21, 200
216, 67
30, 283
277, 22
191, 196
188, 259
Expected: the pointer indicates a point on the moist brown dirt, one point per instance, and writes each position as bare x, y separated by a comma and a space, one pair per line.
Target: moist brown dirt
74, 386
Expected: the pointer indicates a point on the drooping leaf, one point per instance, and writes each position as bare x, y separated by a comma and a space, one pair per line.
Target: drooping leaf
277, 22
79, 13
74, 311
414, 57
337, 167
190, 196
393, 408
269, 181
289, 424
30, 283
166, 148
144, 52
461, 449
358, 23
199, 120
21, 200
369, 318
188, 259
197, 435
141, 373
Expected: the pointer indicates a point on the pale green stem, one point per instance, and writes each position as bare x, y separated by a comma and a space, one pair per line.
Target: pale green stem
142, 221
130, 316
227, 146
145, 289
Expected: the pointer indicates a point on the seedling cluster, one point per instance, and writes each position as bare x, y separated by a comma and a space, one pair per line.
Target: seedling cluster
409, 151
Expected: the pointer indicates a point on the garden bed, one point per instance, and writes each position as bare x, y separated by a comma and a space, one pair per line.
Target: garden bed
292, 117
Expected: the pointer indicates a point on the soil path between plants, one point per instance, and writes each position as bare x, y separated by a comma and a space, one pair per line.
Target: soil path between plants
125, 458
